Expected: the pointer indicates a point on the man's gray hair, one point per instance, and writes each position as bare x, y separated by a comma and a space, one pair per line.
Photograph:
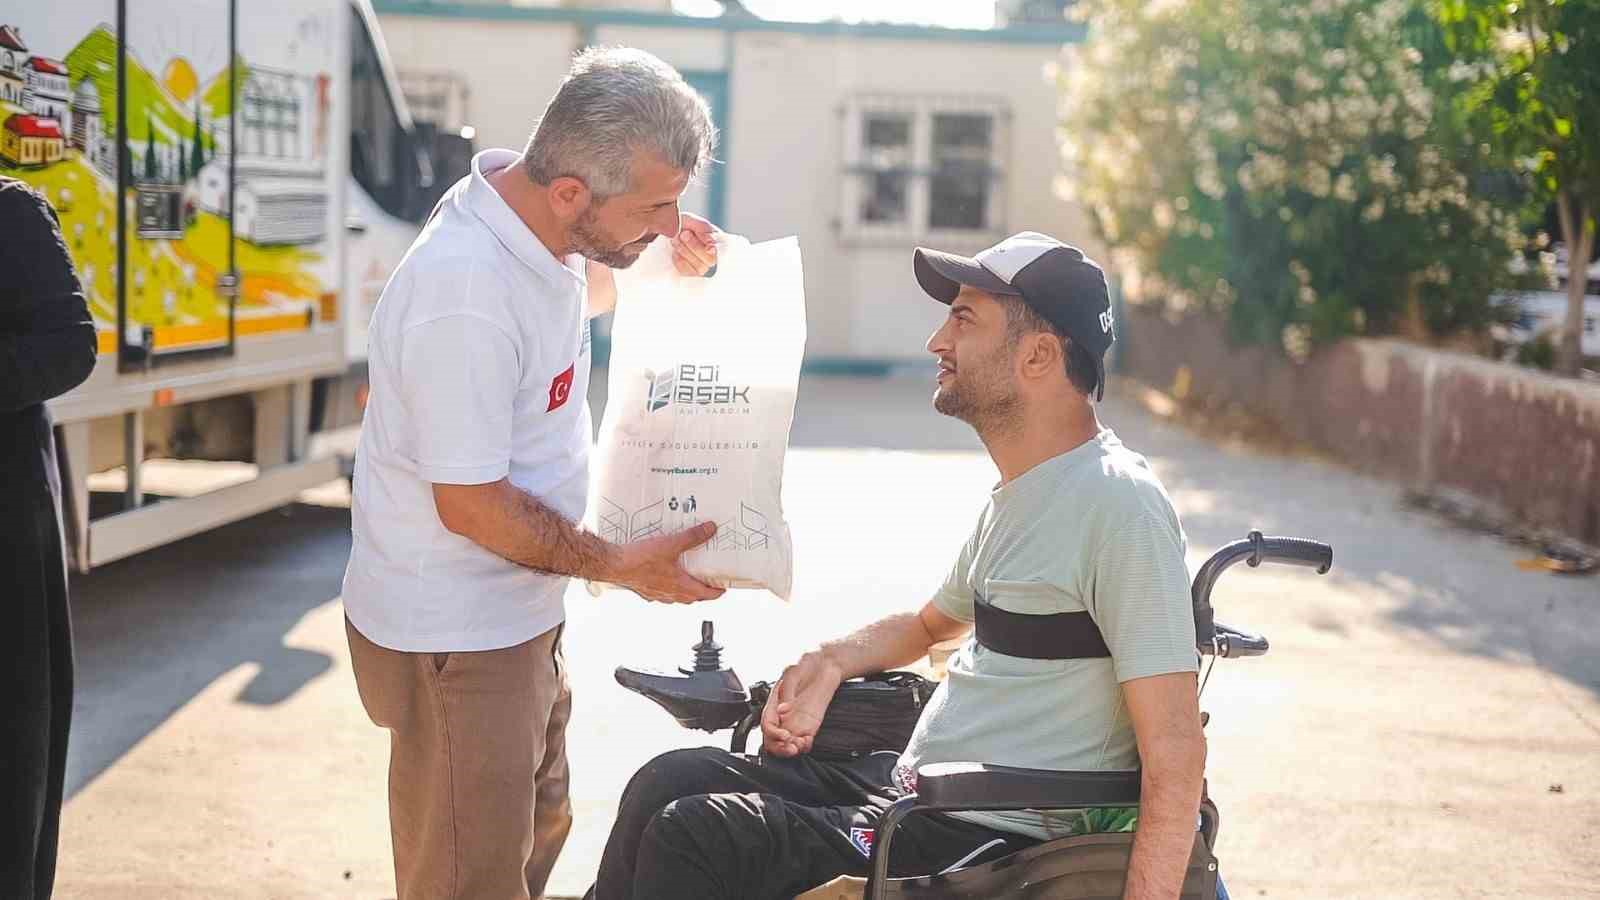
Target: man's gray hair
616, 101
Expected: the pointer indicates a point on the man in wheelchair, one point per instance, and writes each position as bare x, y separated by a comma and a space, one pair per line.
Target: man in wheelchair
1083, 655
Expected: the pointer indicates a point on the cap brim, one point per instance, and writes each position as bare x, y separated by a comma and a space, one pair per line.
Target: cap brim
942, 275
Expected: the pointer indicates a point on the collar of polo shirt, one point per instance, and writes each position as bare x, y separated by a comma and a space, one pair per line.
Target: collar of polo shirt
509, 228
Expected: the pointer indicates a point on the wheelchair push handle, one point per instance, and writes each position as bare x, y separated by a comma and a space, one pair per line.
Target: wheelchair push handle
1290, 551
1212, 636
1255, 550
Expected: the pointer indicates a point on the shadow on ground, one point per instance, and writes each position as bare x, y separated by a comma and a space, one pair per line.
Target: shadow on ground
154, 630
1448, 585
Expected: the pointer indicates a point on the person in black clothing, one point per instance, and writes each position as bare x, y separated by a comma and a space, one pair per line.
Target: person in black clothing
47, 347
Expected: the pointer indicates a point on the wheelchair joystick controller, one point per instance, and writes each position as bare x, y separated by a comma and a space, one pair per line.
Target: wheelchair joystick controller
707, 653
704, 695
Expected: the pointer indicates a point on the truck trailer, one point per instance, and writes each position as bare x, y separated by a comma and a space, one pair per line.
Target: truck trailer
235, 181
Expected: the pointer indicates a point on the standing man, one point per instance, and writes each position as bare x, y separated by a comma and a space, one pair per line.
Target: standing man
47, 347
473, 471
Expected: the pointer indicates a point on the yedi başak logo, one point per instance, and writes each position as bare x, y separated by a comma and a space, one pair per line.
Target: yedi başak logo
693, 385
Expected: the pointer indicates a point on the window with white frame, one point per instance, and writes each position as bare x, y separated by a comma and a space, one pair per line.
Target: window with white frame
920, 166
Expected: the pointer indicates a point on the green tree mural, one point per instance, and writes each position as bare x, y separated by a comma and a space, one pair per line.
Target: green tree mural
149, 151
197, 156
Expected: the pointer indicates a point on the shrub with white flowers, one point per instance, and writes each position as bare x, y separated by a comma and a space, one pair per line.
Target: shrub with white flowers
1280, 162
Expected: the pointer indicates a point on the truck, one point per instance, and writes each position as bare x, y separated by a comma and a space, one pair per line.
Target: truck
235, 180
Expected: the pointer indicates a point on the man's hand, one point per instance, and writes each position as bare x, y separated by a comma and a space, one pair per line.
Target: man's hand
694, 248
797, 704
800, 699
514, 524
651, 569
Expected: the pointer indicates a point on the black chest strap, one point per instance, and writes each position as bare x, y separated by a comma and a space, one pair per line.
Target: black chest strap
1068, 635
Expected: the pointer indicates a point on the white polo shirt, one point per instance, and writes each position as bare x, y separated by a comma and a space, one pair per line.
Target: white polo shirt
478, 361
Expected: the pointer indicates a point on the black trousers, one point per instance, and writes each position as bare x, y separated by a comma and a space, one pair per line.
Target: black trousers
707, 824
35, 656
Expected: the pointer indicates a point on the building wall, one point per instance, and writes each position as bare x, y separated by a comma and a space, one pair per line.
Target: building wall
688, 49
662, 6
787, 152
511, 67
1525, 441
784, 140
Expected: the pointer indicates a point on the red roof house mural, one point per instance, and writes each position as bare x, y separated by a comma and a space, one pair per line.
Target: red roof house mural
30, 140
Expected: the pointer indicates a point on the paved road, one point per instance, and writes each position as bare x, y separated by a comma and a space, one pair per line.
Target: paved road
1427, 725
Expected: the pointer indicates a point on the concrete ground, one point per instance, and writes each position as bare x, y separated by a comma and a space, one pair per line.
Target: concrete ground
1427, 724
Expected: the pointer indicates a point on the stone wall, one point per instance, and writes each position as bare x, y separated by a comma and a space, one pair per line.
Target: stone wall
1524, 441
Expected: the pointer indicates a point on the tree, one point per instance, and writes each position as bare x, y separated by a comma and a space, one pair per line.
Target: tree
1532, 77
197, 156
1284, 164
149, 151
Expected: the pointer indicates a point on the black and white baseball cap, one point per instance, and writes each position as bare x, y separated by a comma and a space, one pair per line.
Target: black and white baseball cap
1062, 285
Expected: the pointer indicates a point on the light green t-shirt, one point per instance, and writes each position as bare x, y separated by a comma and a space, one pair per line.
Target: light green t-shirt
1091, 529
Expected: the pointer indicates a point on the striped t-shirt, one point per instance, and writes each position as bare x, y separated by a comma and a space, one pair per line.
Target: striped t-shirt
1089, 530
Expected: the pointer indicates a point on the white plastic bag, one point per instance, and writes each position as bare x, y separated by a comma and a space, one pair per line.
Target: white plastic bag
703, 376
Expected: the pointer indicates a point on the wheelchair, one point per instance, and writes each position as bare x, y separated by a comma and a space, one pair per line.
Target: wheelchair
711, 698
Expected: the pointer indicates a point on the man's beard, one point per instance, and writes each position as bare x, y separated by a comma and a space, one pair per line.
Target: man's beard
985, 396
589, 243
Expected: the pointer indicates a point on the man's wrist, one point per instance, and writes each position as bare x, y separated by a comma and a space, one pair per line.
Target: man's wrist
610, 560
829, 661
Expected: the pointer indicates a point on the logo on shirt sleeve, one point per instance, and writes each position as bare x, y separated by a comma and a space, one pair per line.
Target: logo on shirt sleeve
561, 389
861, 839
905, 778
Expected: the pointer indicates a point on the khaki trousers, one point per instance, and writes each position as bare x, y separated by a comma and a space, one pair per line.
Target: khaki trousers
478, 806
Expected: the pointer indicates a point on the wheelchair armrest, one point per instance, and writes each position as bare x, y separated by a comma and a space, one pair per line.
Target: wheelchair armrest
976, 786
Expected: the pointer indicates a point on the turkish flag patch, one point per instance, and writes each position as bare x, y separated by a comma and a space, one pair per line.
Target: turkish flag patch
561, 389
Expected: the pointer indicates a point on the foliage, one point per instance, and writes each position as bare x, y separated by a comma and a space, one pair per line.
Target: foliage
1530, 77
1284, 163
1537, 353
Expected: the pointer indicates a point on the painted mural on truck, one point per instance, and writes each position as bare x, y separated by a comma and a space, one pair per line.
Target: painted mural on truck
58, 131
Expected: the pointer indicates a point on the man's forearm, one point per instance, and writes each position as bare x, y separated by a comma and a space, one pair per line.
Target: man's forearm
514, 524
885, 644
1169, 804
